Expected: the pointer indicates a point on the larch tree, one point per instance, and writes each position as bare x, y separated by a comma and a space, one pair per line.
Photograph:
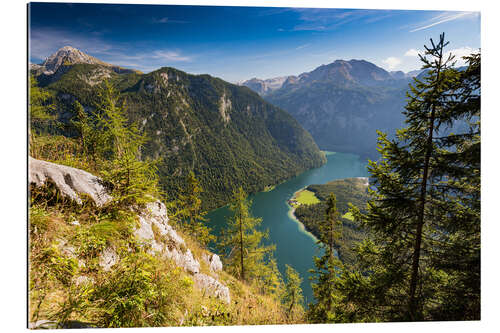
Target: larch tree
241, 241
134, 181
189, 213
293, 298
41, 106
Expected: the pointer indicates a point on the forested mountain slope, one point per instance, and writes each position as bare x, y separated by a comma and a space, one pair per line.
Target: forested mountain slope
226, 134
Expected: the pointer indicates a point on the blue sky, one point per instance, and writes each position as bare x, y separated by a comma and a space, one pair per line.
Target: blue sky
238, 43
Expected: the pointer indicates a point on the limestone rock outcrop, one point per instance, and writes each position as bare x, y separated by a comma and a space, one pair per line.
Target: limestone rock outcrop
213, 262
71, 182
212, 287
159, 237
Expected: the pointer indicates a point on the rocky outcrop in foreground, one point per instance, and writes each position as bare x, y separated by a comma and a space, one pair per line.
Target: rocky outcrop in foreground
154, 230
71, 182
168, 243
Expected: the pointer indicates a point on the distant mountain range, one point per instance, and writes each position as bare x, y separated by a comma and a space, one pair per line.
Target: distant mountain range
342, 104
227, 134
340, 69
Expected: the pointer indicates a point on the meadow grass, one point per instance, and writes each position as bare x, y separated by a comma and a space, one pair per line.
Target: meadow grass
306, 197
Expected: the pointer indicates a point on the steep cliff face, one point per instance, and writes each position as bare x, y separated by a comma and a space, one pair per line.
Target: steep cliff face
153, 229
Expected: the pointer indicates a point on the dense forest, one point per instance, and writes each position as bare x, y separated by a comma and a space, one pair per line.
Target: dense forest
226, 134
347, 191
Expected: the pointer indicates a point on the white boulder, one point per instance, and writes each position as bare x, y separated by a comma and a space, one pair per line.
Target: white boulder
70, 181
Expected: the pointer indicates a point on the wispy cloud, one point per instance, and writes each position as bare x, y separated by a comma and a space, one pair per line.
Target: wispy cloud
412, 53
302, 46
169, 56
392, 62
321, 19
442, 18
461, 52
165, 20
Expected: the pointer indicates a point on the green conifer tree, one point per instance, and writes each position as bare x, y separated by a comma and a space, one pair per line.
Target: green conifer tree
134, 181
325, 274
241, 242
423, 216
292, 298
189, 213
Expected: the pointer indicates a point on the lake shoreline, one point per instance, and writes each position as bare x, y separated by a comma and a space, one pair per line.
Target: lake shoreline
302, 227
295, 244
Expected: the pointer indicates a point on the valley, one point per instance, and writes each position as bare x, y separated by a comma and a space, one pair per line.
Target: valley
159, 195
295, 245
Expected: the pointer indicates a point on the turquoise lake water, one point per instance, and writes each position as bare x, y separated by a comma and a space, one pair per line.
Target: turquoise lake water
294, 246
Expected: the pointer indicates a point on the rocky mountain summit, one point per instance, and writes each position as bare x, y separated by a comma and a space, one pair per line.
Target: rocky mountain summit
67, 56
340, 72
264, 87
153, 230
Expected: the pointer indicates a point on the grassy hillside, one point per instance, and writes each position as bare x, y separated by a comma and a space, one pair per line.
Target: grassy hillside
68, 285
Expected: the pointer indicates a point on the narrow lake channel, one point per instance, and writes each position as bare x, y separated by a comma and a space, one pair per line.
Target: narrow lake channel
294, 246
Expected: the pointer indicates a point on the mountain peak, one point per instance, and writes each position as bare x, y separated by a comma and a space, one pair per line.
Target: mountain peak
68, 55
352, 71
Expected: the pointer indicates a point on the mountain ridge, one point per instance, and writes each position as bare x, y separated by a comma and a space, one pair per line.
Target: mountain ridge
341, 71
343, 103
227, 134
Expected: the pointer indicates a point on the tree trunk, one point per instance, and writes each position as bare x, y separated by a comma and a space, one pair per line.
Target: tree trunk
241, 249
422, 199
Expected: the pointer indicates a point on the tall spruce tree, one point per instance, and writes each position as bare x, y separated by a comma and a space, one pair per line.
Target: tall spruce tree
325, 274
423, 217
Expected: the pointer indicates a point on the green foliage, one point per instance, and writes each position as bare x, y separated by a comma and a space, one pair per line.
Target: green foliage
41, 108
188, 212
292, 297
349, 191
423, 217
138, 293
325, 274
241, 243
120, 146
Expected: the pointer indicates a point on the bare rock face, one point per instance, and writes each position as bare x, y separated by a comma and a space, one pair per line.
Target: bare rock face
69, 55
212, 287
70, 181
154, 228
213, 262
